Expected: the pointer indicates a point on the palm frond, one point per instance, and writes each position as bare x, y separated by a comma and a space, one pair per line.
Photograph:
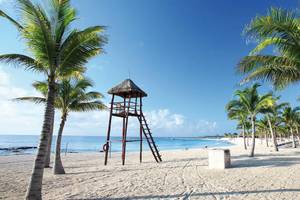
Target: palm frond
36, 100
41, 86
65, 15
81, 46
251, 63
278, 70
88, 106
264, 44
278, 23
38, 33
23, 60
90, 96
265, 102
280, 28
82, 84
242, 95
14, 22
280, 76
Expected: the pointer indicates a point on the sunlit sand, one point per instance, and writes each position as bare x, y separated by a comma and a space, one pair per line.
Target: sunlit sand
183, 174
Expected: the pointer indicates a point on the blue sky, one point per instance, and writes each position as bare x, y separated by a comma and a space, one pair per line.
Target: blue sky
182, 53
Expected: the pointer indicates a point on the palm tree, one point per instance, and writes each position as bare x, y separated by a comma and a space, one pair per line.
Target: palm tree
272, 114
290, 118
236, 112
55, 51
71, 96
253, 103
297, 124
279, 29
263, 126
281, 129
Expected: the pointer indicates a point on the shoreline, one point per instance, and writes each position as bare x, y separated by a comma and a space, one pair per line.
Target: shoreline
31, 151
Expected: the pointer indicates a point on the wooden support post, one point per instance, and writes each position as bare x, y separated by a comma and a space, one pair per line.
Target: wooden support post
141, 134
108, 130
135, 109
125, 130
123, 133
110, 149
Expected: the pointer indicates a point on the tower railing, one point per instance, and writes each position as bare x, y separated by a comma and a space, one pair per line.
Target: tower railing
119, 108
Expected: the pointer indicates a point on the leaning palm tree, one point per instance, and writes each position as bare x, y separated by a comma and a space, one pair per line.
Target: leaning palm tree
297, 124
263, 126
279, 29
290, 118
236, 112
54, 50
247, 131
253, 103
282, 130
71, 96
272, 116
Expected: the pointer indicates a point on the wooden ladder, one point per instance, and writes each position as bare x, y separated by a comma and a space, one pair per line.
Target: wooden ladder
148, 136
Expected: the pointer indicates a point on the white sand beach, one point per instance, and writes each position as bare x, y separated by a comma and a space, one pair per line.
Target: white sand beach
183, 174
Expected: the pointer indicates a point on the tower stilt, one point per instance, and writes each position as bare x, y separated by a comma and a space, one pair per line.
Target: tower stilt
108, 130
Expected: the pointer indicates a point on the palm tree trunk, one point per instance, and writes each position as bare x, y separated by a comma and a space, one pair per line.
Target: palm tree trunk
273, 135
34, 191
244, 139
48, 157
293, 138
247, 137
280, 137
58, 167
297, 131
253, 137
266, 139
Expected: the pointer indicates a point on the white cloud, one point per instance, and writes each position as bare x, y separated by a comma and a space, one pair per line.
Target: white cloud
26, 118
16, 117
172, 124
4, 78
163, 119
162, 122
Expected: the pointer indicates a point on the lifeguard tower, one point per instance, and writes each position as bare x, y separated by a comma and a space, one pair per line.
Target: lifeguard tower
129, 105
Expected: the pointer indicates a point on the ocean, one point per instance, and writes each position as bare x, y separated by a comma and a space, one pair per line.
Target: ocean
95, 143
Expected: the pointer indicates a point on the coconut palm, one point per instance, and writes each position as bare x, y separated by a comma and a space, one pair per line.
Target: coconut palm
263, 127
272, 115
71, 96
236, 112
247, 130
279, 29
290, 116
297, 124
253, 103
54, 50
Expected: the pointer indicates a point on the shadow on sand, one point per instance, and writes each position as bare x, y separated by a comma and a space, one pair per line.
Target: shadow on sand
243, 161
185, 196
126, 169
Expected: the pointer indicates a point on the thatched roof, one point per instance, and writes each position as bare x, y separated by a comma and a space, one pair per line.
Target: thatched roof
127, 88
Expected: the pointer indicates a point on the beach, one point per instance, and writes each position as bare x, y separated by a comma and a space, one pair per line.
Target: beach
183, 174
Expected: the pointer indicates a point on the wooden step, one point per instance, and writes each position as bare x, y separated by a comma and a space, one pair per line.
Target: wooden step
149, 138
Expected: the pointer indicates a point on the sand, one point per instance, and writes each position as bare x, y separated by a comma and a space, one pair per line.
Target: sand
183, 174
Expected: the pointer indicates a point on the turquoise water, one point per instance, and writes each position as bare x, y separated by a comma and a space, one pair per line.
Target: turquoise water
95, 143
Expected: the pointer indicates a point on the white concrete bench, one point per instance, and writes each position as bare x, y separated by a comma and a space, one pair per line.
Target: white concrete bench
219, 158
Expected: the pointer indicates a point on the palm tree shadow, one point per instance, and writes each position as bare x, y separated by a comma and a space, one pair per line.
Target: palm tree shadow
260, 161
124, 170
199, 194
